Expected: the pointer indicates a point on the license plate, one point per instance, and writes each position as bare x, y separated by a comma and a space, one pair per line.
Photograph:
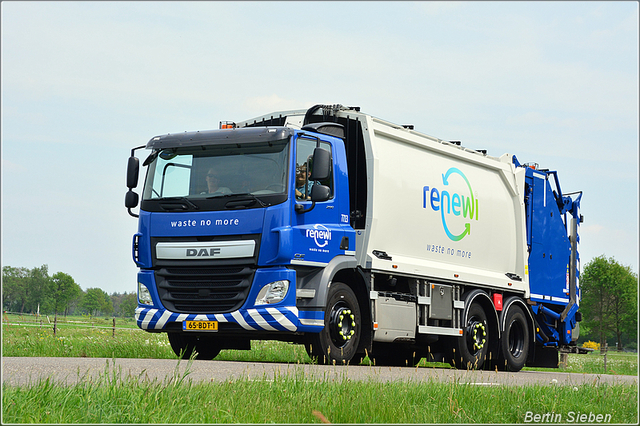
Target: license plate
200, 325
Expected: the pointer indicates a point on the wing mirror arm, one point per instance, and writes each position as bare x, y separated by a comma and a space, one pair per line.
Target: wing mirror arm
133, 170
319, 193
321, 171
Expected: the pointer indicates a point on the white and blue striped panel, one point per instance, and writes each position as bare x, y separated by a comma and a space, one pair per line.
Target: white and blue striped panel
267, 318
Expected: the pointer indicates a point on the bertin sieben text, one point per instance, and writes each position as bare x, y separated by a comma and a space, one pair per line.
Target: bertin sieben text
570, 417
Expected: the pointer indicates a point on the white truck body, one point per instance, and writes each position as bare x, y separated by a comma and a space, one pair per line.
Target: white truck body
400, 163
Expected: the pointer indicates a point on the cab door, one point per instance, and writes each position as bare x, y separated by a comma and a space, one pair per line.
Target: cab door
317, 233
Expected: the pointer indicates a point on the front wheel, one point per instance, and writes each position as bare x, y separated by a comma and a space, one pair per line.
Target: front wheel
338, 341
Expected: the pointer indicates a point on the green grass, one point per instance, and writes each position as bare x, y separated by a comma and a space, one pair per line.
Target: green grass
294, 399
73, 341
618, 363
287, 399
621, 363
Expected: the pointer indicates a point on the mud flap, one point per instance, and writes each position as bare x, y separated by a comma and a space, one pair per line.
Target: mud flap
544, 357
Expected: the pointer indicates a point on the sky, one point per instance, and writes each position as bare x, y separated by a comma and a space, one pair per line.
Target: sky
555, 83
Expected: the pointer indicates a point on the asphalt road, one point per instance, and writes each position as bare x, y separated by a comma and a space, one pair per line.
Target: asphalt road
30, 370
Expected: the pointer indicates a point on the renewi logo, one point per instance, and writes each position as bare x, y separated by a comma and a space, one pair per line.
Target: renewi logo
448, 204
320, 234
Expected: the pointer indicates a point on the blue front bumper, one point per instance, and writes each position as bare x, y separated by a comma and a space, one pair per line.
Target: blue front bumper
279, 317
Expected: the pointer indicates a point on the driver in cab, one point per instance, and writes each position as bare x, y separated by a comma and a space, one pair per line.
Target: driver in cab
213, 183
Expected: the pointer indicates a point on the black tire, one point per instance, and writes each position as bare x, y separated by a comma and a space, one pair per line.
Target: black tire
338, 341
515, 344
472, 347
395, 355
184, 346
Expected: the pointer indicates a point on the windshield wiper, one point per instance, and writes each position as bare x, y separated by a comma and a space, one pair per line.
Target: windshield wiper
180, 200
242, 194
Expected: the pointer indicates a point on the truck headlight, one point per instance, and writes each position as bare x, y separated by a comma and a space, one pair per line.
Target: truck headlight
144, 296
273, 292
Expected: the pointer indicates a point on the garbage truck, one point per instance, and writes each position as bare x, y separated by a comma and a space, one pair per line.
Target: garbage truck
355, 237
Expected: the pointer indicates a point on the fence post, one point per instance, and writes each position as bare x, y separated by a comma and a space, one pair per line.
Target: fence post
605, 363
563, 359
55, 325
114, 327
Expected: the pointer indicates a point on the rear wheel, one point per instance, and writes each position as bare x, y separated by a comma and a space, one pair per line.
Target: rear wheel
338, 341
184, 346
472, 347
514, 346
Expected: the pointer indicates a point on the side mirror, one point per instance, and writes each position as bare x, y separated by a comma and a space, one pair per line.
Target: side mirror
321, 171
133, 169
131, 200
321, 164
320, 193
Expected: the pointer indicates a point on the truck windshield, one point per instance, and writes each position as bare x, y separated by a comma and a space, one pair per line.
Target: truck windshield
218, 171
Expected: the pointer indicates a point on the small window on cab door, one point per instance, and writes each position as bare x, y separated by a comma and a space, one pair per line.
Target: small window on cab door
304, 166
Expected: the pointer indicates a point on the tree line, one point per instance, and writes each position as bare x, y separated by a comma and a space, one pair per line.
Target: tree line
35, 291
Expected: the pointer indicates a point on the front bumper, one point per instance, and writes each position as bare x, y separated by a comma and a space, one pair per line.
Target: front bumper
283, 316
275, 318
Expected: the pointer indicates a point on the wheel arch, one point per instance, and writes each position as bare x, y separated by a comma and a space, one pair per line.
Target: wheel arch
328, 275
509, 303
531, 322
482, 298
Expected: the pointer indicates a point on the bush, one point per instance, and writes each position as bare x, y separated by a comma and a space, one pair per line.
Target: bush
591, 345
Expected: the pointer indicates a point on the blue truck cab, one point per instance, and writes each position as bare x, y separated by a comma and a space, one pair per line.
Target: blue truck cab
230, 220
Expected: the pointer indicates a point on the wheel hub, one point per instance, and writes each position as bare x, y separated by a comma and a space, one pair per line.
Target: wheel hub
342, 324
477, 335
